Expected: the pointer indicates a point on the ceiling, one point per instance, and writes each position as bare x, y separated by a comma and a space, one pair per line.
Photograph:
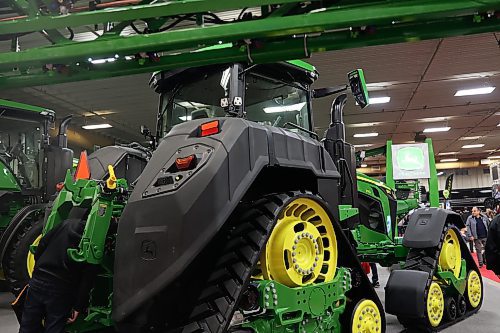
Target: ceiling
421, 79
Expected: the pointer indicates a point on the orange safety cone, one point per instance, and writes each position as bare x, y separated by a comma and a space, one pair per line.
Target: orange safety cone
82, 169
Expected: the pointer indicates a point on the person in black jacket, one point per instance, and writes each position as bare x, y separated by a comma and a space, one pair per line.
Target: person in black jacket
59, 288
492, 249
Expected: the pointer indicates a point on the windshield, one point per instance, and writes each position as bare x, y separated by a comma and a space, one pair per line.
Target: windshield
275, 103
20, 143
198, 99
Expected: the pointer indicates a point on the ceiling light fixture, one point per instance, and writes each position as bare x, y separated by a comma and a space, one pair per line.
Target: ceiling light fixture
363, 146
465, 138
364, 165
475, 91
440, 173
436, 129
478, 145
448, 153
365, 135
96, 126
378, 100
444, 160
284, 108
494, 157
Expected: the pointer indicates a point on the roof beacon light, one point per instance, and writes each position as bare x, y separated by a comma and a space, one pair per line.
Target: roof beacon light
209, 128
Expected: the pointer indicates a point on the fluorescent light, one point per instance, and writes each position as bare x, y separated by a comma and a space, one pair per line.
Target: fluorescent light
485, 191
364, 165
436, 129
494, 157
363, 146
440, 173
444, 160
365, 124
475, 91
448, 153
96, 126
478, 145
185, 118
465, 138
101, 61
365, 135
285, 108
378, 100
498, 125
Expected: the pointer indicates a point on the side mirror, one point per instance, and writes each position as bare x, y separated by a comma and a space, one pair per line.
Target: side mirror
358, 87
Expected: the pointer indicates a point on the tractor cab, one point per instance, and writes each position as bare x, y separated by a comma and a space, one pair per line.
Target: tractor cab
269, 94
25, 151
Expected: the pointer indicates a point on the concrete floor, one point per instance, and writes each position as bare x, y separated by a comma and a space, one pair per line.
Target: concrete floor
487, 320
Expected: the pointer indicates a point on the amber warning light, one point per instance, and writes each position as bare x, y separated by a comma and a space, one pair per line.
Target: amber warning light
209, 128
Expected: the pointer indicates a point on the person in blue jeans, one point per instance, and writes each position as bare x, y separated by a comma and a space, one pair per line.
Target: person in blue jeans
59, 288
477, 231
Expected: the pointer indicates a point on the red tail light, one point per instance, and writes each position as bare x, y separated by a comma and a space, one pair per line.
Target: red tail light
209, 128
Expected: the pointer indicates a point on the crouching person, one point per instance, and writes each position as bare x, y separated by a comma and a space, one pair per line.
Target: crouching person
59, 288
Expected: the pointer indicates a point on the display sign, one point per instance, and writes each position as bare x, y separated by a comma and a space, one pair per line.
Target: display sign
410, 161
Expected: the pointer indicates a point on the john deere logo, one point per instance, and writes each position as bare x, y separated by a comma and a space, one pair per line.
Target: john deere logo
411, 158
148, 250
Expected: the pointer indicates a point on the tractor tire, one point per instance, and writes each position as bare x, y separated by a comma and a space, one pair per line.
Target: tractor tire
15, 262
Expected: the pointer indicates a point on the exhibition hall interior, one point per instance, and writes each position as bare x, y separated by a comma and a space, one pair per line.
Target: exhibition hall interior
249, 166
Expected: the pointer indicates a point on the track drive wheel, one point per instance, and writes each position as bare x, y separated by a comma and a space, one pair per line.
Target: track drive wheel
474, 290
450, 258
302, 248
435, 304
18, 262
366, 317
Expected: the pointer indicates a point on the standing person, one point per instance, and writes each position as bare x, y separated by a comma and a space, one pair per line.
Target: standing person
492, 249
477, 231
375, 282
59, 288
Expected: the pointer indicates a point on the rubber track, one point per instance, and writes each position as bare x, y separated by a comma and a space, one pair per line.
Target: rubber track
427, 260
252, 226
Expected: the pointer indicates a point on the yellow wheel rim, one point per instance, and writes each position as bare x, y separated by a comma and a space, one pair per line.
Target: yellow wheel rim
474, 289
435, 304
450, 258
366, 318
30, 259
302, 248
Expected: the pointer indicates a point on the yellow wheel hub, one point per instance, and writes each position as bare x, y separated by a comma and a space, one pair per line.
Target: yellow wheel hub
435, 304
474, 289
366, 318
30, 259
302, 248
450, 258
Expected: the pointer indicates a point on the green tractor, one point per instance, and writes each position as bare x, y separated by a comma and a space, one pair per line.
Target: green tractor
443, 262
30, 168
241, 220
